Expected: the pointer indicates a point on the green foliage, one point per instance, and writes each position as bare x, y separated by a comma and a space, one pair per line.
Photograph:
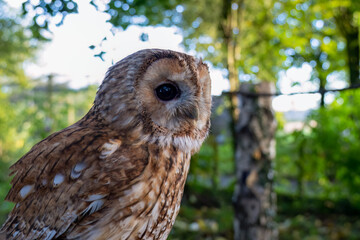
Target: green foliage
313, 35
213, 161
15, 47
327, 151
206, 211
338, 146
307, 227
45, 11
203, 223
313, 32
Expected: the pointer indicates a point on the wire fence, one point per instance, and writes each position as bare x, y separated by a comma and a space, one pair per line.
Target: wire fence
263, 94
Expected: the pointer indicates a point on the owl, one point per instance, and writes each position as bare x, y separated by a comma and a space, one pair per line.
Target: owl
119, 172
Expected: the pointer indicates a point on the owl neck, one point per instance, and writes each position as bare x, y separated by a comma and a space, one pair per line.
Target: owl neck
135, 130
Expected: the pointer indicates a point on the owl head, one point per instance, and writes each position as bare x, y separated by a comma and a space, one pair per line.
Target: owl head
157, 95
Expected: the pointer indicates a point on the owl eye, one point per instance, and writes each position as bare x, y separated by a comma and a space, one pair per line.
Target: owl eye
167, 92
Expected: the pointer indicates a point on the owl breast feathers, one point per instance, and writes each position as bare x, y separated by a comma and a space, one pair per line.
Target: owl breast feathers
119, 172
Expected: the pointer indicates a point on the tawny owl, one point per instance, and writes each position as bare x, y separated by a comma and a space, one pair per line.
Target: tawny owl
119, 172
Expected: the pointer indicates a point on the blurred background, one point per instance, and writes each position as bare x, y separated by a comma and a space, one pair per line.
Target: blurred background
241, 185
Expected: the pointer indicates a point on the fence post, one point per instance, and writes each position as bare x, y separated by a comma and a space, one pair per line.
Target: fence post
254, 200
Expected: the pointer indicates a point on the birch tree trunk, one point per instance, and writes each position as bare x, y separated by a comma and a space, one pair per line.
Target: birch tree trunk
254, 199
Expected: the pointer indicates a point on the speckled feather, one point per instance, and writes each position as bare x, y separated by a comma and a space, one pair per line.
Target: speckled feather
120, 171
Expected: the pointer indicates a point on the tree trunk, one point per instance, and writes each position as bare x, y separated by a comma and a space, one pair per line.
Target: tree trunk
345, 22
253, 199
352, 43
322, 91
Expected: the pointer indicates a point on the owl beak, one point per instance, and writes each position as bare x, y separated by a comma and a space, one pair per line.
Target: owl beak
192, 113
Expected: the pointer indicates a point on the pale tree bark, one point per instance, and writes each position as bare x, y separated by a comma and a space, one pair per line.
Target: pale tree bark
254, 199
254, 203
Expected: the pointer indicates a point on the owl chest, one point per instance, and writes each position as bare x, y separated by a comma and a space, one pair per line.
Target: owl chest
150, 206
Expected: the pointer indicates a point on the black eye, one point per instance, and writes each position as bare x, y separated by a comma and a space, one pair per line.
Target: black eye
167, 92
